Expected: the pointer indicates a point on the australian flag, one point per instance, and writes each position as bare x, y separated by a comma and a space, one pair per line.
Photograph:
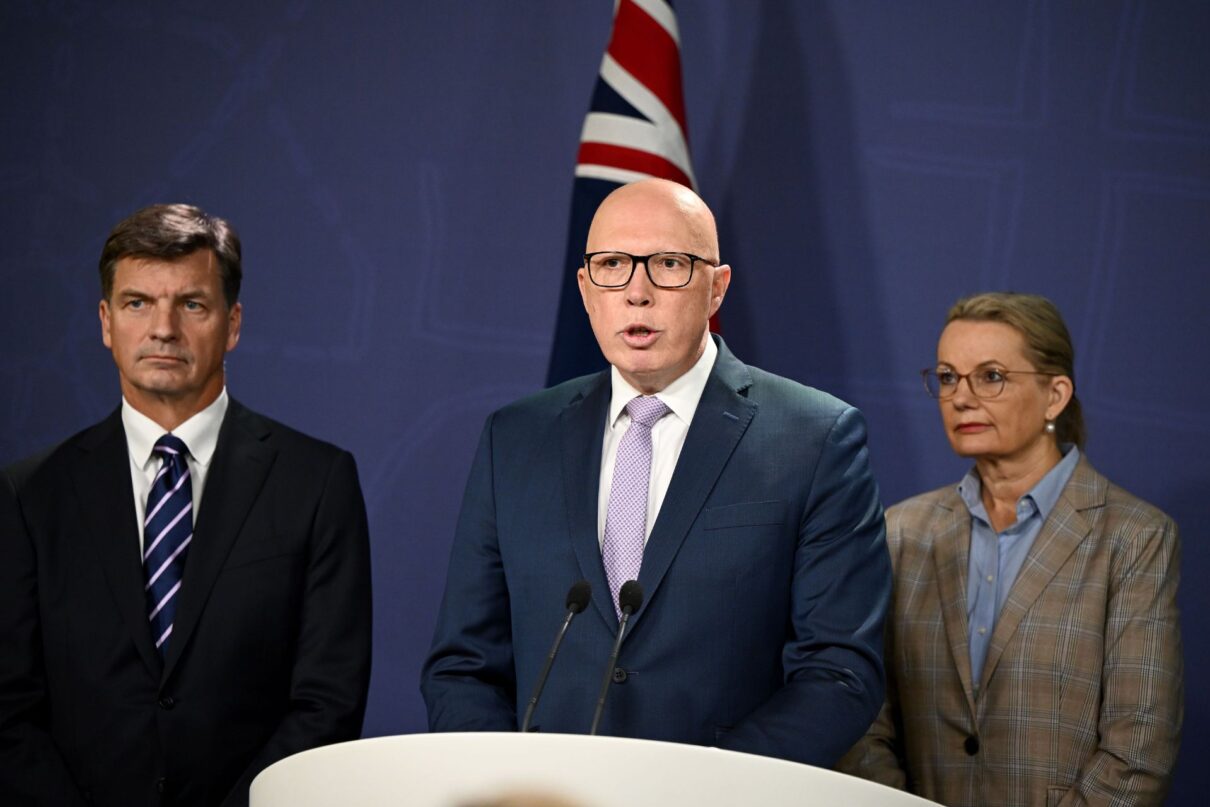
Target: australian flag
635, 129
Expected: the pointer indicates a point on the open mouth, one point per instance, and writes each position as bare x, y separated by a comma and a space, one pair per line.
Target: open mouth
639, 335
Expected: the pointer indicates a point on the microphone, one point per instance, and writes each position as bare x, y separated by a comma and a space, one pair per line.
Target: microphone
577, 600
630, 599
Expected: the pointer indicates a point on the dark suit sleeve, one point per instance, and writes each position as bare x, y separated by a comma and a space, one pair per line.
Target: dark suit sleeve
332, 663
832, 658
468, 680
879, 755
32, 771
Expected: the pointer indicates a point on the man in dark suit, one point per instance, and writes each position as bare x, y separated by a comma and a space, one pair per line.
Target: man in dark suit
744, 506
185, 586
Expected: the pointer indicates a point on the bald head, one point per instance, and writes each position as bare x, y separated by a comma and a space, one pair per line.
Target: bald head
654, 334
679, 210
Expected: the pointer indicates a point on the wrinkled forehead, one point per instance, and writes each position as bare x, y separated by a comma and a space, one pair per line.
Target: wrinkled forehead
202, 258
194, 269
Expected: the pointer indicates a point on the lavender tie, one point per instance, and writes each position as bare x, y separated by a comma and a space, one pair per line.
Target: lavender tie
167, 532
626, 516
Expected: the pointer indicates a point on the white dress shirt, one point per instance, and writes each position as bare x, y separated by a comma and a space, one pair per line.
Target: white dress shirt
667, 436
200, 435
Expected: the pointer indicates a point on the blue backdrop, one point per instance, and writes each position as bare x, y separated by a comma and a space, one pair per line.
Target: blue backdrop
400, 174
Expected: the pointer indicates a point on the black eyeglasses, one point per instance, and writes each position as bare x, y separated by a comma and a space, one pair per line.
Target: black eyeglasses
985, 382
666, 270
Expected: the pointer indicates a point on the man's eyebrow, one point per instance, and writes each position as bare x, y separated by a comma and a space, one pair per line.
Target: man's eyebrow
198, 292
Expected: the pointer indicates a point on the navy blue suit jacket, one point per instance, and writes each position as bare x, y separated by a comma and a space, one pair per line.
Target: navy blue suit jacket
766, 576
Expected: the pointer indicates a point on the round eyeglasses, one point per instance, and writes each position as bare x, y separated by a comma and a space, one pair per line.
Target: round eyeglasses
984, 382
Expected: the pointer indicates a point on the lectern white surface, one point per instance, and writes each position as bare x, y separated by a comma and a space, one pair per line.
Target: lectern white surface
451, 770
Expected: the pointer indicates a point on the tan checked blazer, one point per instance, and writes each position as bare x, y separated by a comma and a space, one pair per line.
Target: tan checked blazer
1082, 692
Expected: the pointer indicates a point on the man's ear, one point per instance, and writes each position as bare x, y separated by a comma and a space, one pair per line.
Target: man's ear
103, 313
235, 318
582, 281
719, 283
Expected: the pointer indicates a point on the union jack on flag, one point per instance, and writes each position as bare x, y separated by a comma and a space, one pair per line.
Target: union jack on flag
635, 129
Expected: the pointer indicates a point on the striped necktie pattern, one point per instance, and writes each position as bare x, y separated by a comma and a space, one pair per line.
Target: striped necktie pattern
167, 532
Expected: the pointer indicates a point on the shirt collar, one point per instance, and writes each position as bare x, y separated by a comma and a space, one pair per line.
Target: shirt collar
199, 432
1043, 496
681, 396
1046, 493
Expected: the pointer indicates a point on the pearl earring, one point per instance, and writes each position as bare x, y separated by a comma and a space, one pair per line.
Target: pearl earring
1050, 427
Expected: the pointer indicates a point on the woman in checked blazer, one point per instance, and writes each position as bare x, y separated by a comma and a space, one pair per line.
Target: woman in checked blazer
1033, 649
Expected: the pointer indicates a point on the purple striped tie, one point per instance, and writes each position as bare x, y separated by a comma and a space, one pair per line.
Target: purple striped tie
167, 531
626, 516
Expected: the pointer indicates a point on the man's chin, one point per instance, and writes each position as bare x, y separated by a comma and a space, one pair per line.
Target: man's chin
163, 377
161, 393
160, 384
646, 379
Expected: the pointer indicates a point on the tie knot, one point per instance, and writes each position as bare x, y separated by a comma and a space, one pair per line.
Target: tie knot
646, 409
171, 447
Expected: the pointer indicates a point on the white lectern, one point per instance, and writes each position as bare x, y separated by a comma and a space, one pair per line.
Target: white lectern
451, 770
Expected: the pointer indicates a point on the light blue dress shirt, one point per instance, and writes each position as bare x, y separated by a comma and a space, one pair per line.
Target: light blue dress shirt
996, 558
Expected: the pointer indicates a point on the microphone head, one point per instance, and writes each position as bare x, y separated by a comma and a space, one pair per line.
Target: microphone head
630, 598
578, 596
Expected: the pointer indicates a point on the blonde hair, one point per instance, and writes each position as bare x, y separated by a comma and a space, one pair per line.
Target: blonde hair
1047, 343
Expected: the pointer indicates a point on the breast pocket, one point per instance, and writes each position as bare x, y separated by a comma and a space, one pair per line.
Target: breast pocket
744, 514
263, 549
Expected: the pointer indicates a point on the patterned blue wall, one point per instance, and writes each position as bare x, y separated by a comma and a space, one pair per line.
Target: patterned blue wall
869, 161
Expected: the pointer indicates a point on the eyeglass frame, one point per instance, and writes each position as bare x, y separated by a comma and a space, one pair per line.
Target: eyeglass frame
635, 260
927, 371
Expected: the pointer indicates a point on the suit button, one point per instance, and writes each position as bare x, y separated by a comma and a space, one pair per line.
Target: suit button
971, 745
167, 702
620, 675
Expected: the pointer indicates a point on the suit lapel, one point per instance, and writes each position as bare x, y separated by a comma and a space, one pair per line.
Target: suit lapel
581, 432
101, 481
1064, 529
951, 554
237, 472
722, 417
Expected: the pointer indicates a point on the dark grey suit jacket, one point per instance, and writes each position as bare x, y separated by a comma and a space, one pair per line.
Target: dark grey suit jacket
270, 652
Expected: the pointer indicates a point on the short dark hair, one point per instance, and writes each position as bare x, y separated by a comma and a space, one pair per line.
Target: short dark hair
170, 232
1047, 343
